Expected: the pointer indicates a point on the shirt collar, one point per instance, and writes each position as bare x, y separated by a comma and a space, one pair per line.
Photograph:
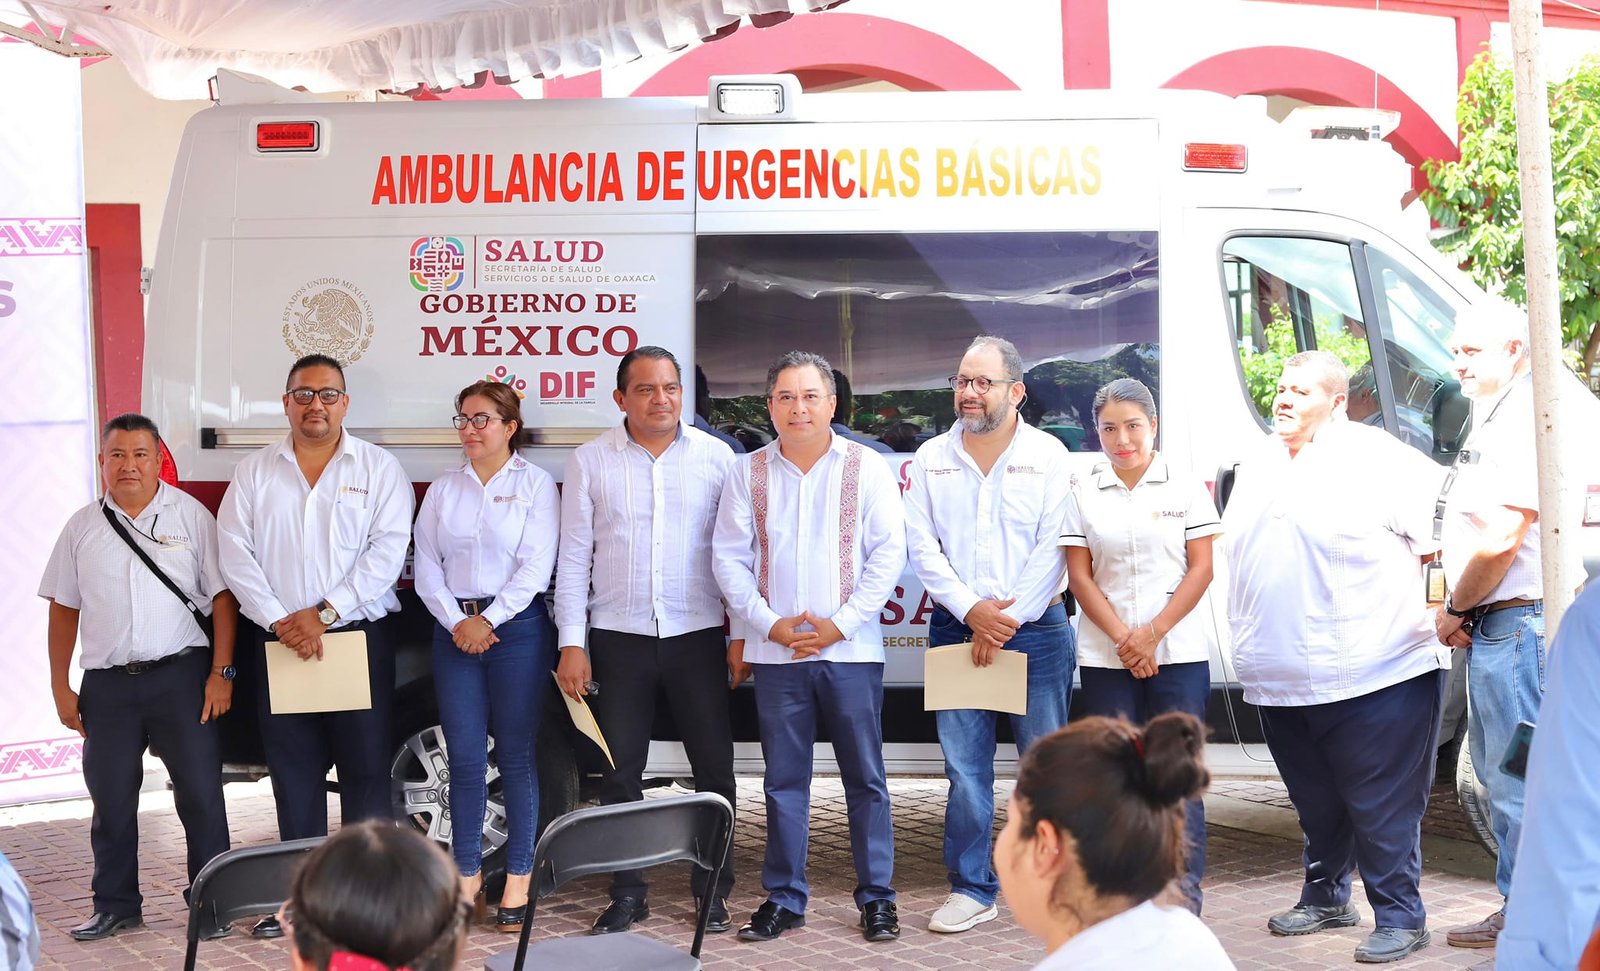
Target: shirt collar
620, 439
161, 500
1105, 474
516, 464
286, 445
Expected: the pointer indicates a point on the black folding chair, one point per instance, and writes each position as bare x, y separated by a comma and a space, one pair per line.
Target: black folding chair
248, 881
630, 836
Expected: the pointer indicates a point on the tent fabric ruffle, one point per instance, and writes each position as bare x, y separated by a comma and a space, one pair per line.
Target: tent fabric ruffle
173, 47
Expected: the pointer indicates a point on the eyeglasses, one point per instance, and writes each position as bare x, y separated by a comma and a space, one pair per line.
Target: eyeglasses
480, 421
303, 396
960, 382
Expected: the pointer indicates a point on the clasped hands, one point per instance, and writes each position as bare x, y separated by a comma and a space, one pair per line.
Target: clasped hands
1136, 649
805, 643
474, 635
301, 632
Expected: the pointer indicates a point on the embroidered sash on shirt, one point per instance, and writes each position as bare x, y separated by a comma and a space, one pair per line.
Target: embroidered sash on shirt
849, 507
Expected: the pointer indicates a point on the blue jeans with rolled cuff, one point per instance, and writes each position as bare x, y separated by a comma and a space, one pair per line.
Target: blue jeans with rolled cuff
504, 688
968, 739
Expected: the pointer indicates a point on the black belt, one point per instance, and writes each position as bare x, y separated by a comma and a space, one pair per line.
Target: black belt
474, 607
145, 667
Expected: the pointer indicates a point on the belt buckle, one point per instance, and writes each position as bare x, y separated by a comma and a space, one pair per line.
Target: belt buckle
137, 667
470, 607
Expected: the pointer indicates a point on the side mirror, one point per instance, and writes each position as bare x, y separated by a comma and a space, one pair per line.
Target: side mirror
1222, 486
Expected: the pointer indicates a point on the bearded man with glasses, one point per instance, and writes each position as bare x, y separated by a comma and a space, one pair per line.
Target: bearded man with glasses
313, 534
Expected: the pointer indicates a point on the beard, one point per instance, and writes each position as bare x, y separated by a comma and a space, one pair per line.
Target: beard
985, 421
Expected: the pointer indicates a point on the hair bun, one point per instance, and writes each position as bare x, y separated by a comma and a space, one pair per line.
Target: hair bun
1174, 758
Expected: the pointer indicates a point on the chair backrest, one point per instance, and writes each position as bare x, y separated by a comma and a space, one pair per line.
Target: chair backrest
632, 836
248, 881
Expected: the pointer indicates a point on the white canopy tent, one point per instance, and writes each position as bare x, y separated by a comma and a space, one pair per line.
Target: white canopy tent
173, 47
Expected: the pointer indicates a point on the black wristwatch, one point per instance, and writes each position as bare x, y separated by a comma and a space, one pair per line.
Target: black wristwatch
1450, 608
227, 672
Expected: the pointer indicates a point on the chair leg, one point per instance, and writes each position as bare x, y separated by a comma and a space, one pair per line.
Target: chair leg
527, 924
193, 951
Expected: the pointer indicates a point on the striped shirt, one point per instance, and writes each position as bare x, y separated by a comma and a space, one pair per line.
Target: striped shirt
635, 551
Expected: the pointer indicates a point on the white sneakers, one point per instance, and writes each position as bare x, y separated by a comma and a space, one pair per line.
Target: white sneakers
960, 913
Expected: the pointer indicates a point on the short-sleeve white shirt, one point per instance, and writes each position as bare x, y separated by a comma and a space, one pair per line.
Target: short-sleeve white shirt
494, 539
125, 613
1326, 599
1137, 540
1147, 938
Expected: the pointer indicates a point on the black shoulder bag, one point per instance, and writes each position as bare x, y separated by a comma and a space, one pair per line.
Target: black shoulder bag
199, 617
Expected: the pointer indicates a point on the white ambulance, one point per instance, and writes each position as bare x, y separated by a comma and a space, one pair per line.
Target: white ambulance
1182, 238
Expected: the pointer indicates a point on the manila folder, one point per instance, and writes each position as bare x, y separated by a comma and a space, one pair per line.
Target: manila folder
951, 681
583, 718
336, 682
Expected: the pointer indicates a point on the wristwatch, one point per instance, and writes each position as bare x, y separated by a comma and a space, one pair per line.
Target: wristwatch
226, 672
1450, 608
326, 614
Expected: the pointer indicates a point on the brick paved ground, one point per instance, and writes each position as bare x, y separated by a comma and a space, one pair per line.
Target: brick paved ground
1254, 870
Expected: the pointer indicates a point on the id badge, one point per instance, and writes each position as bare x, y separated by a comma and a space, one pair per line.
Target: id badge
1433, 579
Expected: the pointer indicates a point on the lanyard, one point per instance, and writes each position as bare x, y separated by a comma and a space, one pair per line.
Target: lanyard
1465, 456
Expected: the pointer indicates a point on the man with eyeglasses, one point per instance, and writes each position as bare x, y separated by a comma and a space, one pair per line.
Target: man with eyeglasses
809, 542
634, 574
313, 534
983, 518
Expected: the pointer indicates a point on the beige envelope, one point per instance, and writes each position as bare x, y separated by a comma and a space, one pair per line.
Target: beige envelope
583, 717
337, 682
951, 681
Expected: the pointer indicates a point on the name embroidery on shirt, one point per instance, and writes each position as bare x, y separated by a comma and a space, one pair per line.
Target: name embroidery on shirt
506, 498
1022, 470
1170, 514
355, 489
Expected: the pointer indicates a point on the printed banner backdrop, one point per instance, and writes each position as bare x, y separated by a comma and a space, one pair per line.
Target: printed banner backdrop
47, 419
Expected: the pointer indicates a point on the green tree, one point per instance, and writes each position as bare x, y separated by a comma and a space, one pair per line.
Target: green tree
1479, 197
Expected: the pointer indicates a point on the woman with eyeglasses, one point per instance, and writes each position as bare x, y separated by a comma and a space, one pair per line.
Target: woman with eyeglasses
485, 551
375, 897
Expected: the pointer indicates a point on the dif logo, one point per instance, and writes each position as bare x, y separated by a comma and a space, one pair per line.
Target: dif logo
566, 385
438, 264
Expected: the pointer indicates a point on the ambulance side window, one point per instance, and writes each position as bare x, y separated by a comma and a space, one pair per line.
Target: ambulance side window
1430, 410
1289, 294
895, 312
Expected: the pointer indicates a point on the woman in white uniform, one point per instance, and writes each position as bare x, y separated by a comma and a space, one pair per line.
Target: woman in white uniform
486, 547
1094, 832
1138, 535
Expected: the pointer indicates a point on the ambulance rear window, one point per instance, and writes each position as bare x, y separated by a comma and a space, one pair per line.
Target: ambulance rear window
895, 312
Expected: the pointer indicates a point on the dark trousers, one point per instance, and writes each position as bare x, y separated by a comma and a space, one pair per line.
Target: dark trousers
301, 748
1114, 692
122, 714
692, 671
1358, 772
846, 699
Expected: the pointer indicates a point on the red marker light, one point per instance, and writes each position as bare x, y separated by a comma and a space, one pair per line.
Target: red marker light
286, 136
1213, 157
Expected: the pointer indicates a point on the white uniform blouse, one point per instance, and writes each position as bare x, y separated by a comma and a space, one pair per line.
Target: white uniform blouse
1146, 938
1137, 539
494, 539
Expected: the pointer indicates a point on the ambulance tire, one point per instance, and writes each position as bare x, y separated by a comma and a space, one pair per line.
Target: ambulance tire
1474, 801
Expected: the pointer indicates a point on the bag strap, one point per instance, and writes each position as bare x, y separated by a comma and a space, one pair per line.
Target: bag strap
138, 551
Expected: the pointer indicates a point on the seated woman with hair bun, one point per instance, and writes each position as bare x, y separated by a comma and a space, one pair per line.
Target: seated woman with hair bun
376, 897
1094, 832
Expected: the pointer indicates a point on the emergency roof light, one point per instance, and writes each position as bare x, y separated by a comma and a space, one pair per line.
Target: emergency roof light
753, 97
287, 136
1339, 121
1214, 157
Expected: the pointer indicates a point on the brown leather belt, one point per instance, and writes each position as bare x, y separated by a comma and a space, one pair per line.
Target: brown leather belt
1490, 608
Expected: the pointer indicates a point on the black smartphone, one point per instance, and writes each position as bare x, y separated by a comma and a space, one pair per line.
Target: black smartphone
1515, 763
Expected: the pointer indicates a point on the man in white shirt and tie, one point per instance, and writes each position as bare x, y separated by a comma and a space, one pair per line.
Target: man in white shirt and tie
313, 534
638, 505
983, 522
809, 542
1326, 531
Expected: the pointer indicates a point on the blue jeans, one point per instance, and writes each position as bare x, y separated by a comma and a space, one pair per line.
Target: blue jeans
1114, 692
847, 700
504, 686
1505, 683
968, 739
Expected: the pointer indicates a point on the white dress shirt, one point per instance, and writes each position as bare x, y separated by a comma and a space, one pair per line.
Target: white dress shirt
975, 537
1498, 468
636, 536
286, 546
1138, 542
126, 614
494, 539
1326, 597
816, 547
1146, 938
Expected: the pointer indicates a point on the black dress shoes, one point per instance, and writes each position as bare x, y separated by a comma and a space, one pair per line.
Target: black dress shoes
623, 913
880, 921
769, 921
267, 928
102, 926
718, 921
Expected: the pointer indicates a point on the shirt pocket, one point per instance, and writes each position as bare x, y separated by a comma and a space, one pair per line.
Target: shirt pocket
351, 519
